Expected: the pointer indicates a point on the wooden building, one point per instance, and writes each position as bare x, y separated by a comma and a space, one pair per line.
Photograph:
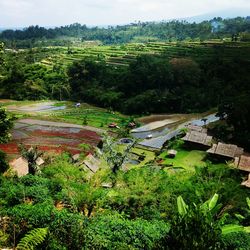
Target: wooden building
91, 163
227, 151
20, 166
196, 138
200, 129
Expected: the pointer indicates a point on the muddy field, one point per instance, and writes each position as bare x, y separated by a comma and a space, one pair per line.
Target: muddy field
49, 138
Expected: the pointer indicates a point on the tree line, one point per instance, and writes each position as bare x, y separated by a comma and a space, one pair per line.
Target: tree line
134, 32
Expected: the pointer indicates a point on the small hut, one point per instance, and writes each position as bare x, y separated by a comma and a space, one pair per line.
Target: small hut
171, 153
196, 128
20, 166
243, 162
91, 163
198, 139
113, 125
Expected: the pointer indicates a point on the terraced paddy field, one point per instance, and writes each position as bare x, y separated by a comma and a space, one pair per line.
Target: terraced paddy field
57, 126
122, 55
87, 115
53, 137
99, 118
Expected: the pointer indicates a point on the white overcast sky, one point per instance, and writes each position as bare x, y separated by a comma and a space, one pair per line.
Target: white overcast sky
20, 13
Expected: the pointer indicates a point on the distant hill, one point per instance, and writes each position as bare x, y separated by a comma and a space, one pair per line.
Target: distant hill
228, 13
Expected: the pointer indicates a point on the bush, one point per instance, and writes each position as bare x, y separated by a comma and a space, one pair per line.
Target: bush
115, 232
237, 241
3, 162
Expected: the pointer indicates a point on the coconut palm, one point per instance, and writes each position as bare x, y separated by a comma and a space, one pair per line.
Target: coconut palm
31, 155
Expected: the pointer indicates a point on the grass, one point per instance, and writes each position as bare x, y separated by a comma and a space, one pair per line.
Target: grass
185, 159
149, 155
95, 117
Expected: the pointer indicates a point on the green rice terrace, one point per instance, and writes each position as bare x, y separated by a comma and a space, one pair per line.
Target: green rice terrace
122, 55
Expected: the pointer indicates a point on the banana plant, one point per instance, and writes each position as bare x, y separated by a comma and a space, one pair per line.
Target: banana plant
210, 208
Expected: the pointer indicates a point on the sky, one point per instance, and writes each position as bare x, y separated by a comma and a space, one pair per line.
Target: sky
22, 13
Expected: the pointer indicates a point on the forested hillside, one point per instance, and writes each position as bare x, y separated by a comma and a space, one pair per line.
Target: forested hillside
235, 28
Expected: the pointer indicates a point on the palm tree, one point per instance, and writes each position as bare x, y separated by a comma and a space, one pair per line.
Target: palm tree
60, 89
31, 155
112, 155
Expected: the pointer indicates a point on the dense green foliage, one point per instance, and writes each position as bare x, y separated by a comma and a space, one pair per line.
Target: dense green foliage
175, 85
6, 123
32, 239
135, 32
138, 212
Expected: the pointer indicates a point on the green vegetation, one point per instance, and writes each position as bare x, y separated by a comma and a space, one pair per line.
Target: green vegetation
88, 115
128, 199
184, 159
138, 212
32, 239
6, 123
217, 28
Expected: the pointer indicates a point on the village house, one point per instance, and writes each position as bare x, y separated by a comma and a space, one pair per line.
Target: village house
21, 165
195, 138
91, 163
200, 129
225, 151
243, 162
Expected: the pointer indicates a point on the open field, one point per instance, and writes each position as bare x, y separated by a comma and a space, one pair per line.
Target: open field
184, 159
135, 152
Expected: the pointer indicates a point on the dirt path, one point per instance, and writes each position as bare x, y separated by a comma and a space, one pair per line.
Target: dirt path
156, 125
59, 124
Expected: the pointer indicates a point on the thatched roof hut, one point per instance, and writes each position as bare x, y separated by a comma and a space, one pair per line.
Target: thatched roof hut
20, 166
91, 163
172, 153
198, 138
226, 150
200, 129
